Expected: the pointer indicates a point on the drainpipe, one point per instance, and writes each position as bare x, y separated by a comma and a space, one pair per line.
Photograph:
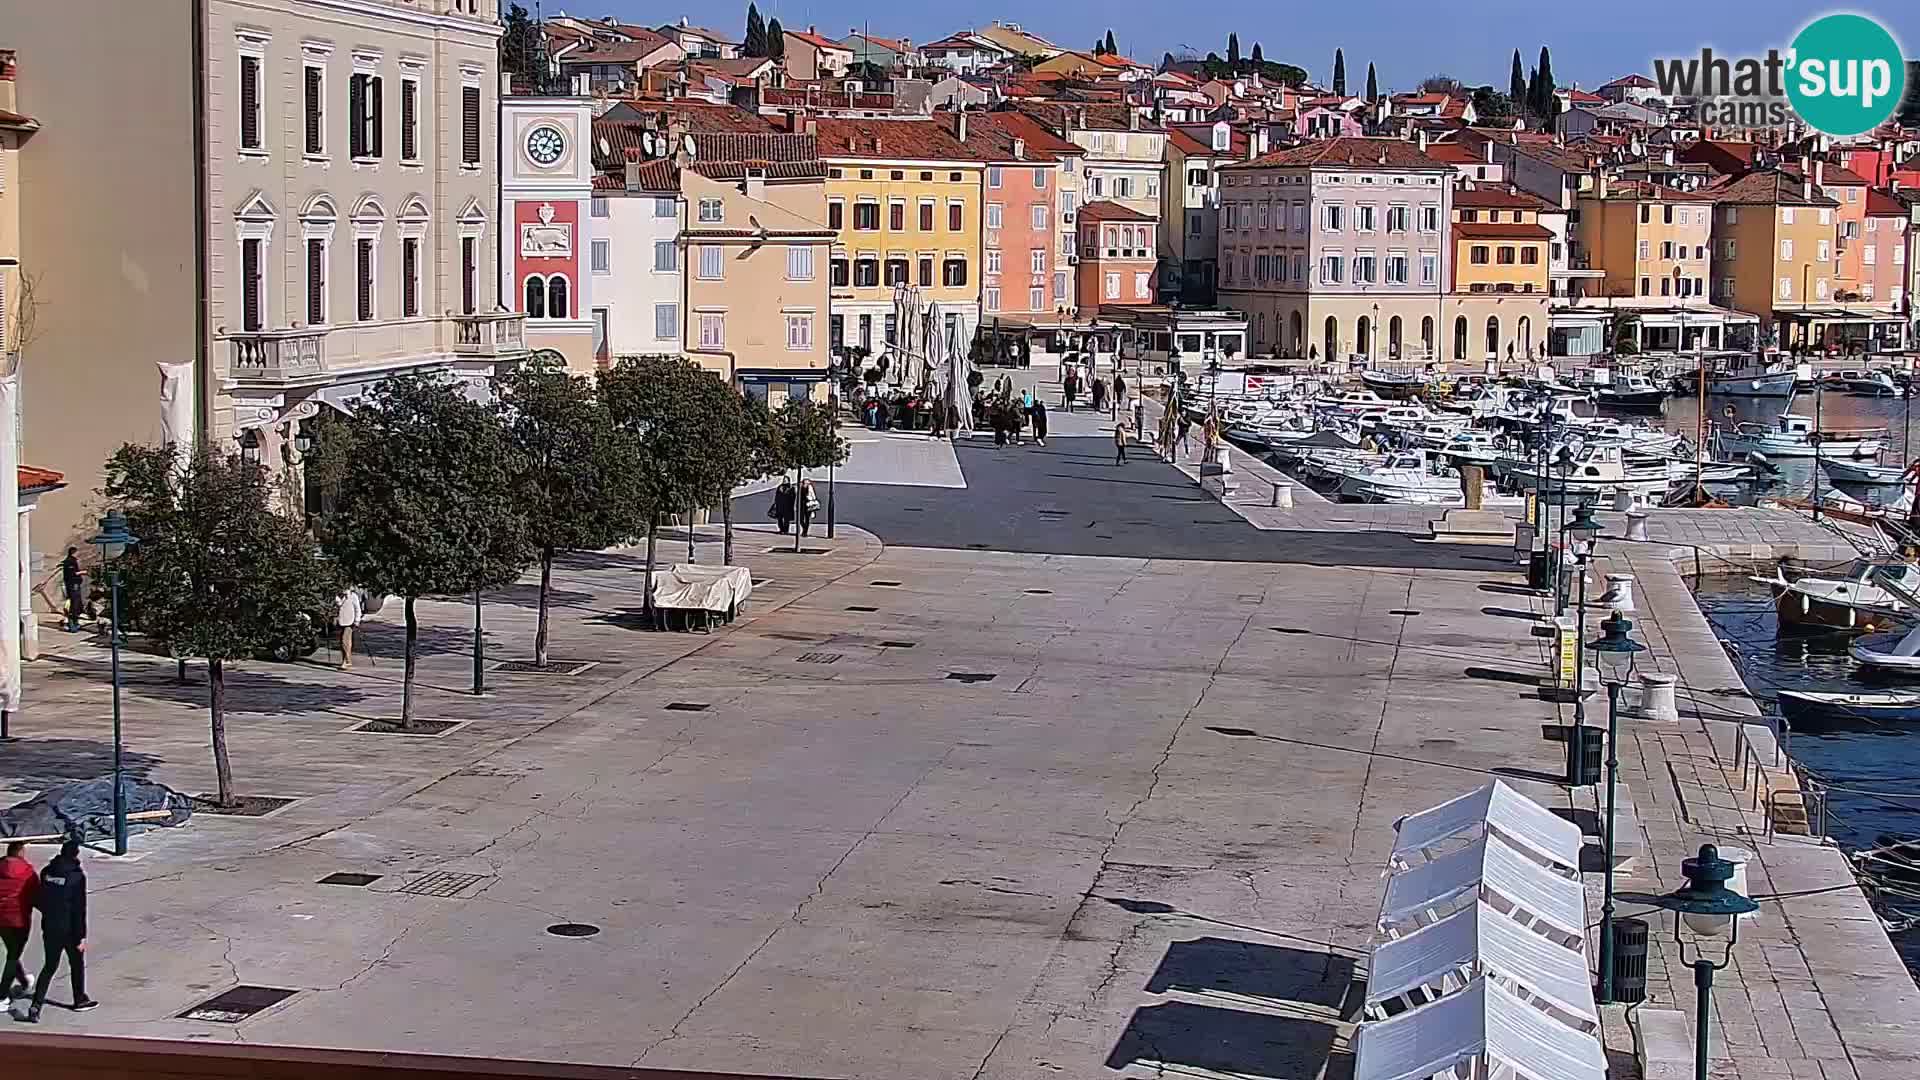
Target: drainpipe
203, 313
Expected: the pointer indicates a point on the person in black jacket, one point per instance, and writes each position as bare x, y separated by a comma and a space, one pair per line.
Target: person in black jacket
62, 900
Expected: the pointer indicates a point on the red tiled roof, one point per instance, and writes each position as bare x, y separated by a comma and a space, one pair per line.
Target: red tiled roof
1831, 173
1420, 99
816, 40
697, 115
739, 67
990, 136
33, 478
898, 45
1581, 97
892, 140
1501, 230
16, 120
1116, 60
959, 41
1765, 187
1452, 153
1499, 198
711, 35
1108, 210
1644, 191
1884, 203
1348, 152
1634, 80
1100, 116
594, 51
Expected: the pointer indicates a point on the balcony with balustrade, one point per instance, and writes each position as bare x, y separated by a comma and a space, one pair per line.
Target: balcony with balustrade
288, 357
496, 335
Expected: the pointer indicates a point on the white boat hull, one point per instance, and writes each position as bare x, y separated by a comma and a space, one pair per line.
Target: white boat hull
1779, 385
1853, 472
1778, 446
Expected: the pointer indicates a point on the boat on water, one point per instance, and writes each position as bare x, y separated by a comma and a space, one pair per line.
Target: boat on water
1793, 436
1778, 384
1598, 471
1393, 385
1895, 653
1405, 477
1869, 384
1869, 596
1813, 708
1863, 473
1351, 401
1471, 448
1631, 392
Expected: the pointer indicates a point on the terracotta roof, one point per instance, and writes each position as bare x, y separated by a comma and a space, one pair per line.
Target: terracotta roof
1884, 203
1644, 191
1499, 198
1501, 230
1452, 153
816, 40
711, 35
1197, 141
892, 140
1635, 79
1100, 116
1581, 97
739, 67
990, 136
33, 479
1831, 173
898, 45
1765, 187
1108, 210
1724, 156
657, 175
698, 116
1348, 152
1564, 158
1116, 60
963, 40
595, 51
16, 120
1420, 99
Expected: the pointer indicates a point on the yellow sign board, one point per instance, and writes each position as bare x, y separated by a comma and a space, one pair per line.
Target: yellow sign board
1566, 668
1533, 509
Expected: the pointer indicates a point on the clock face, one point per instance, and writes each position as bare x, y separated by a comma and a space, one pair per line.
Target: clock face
545, 145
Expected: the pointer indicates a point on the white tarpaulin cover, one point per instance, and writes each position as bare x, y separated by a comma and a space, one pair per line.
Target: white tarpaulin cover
691, 587
1488, 861
1482, 941
1518, 819
1481, 1022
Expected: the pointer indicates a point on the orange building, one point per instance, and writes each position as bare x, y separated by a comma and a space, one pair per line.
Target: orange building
1117, 256
1848, 190
1023, 272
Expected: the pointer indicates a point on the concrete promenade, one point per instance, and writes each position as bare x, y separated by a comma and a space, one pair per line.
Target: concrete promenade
1065, 771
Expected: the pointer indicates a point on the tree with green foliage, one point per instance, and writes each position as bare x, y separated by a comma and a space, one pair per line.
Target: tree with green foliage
1233, 49
571, 484
756, 36
1257, 58
1373, 83
1533, 93
426, 503
658, 403
1111, 48
523, 51
739, 449
1340, 72
1544, 108
806, 436
1517, 82
1490, 104
870, 74
776, 40
218, 573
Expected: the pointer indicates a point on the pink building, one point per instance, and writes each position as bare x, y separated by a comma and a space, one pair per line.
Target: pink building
1024, 268
1883, 251
1117, 255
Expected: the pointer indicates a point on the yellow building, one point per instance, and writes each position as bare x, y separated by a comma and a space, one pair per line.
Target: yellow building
904, 200
1496, 306
1648, 241
1773, 237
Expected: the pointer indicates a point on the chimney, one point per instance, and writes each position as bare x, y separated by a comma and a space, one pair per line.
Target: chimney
1488, 148
1253, 149
633, 170
1820, 173
1133, 119
813, 128
1667, 155
7, 68
1600, 184
1080, 118
1019, 147
1263, 133
757, 184
960, 125
1423, 140
506, 87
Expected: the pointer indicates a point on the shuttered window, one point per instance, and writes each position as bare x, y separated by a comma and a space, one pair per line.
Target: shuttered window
315, 107
469, 274
356, 112
250, 102
252, 313
363, 274
316, 282
376, 116
470, 125
409, 120
410, 276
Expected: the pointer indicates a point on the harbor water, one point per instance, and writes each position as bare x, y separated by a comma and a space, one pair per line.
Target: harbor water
1900, 416
1873, 767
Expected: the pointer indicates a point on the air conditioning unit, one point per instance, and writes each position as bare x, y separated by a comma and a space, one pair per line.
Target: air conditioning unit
1067, 217
1073, 260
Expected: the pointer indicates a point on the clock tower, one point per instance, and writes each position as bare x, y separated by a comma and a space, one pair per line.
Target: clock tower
546, 179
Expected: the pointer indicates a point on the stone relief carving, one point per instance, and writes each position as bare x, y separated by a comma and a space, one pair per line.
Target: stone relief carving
547, 238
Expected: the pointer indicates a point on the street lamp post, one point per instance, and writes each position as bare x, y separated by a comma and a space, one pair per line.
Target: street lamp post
1613, 654
1580, 533
1711, 910
114, 538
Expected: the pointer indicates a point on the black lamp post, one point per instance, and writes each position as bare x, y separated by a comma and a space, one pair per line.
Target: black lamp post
1580, 533
113, 539
1563, 457
1613, 653
1711, 911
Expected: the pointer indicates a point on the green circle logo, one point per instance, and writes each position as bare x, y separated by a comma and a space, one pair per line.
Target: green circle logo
1845, 75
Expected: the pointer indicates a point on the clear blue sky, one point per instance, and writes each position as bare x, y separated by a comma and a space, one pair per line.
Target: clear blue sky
1472, 40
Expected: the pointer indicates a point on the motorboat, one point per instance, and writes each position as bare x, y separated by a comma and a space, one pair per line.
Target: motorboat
1406, 477
1814, 708
1599, 471
1779, 384
1869, 384
1870, 596
1394, 385
1895, 653
1630, 392
1862, 473
1793, 436
1351, 401
1470, 448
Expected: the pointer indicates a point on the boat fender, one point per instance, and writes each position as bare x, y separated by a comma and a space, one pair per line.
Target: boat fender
1759, 460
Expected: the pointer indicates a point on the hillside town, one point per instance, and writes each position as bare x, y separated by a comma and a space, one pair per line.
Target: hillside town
735, 550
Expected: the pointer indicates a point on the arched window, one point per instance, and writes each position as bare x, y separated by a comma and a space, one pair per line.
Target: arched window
1260, 328
1332, 348
1493, 337
1426, 336
1393, 337
557, 298
1460, 337
1526, 335
1296, 330
1363, 336
536, 297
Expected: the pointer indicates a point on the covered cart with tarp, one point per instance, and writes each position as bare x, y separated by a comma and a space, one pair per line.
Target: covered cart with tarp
84, 809
697, 596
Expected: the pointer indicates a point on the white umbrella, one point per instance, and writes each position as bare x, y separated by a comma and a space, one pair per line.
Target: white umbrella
959, 392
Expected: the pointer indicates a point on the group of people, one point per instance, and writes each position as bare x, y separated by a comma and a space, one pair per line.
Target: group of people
794, 504
58, 894
1009, 414
1073, 384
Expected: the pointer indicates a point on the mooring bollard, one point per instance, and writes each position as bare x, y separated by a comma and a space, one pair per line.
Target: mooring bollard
1657, 701
1282, 495
1637, 525
1619, 594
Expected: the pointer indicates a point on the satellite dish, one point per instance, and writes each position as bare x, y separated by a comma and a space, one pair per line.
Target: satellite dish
686, 142
606, 148
646, 142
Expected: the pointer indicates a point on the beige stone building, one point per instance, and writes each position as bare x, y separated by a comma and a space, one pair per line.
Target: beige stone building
222, 256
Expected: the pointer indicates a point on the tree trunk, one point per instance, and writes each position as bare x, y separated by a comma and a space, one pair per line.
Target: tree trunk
690, 533
217, 706
799, 507
479, 649
726, 531
546, 587
646, 609
406, 683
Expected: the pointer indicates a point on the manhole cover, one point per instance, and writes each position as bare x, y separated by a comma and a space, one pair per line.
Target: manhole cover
896, 644
358, 881
442, 883
237, 1004
820, 657
573, 929
970, 676
686, 706
861, 607
554, 667
885, 584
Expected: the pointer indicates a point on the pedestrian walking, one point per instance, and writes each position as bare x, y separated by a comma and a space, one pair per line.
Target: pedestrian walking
18, 884
73, 579
347, 615
1039, 414
1184, 431
782, 509
1120, 433
1119, 392
1070, 387
62, 899
1099, 394
809, 505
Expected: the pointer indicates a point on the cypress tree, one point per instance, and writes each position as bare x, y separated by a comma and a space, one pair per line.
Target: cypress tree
1233, 49
1111, 48
1257, 58
1517, 83
1546, 82
776, 39
1340, 72
1373, 84
756, 43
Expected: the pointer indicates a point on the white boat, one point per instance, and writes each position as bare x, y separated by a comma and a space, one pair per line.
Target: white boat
1869, 596
1471, 448
1869, 384
1405, 477
1866, 475
1630, 392
1811, 708
1894, 653
1393, 384
1595, 472
1793, 436
1351, 401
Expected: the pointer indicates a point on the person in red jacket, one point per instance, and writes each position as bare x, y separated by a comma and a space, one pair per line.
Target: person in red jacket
19, 883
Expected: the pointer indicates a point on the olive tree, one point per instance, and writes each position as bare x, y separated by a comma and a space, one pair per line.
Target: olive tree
659, 408
805, 435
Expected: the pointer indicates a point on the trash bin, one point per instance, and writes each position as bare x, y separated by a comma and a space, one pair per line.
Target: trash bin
1539, 571
1630, 941
1586, 746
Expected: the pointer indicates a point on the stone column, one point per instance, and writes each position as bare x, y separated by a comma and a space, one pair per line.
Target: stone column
10, 550
29, 625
